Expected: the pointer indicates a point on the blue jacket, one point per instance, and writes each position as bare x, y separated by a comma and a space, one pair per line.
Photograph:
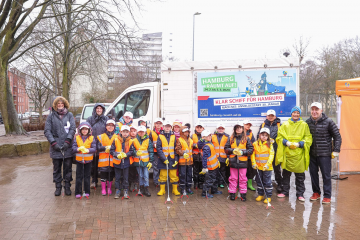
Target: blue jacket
98, 123
125, 163
206, 151
161, 155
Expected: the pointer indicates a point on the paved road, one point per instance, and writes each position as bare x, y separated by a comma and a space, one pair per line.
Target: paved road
29, 210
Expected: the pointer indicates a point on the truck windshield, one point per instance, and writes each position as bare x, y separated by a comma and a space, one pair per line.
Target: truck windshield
138, 102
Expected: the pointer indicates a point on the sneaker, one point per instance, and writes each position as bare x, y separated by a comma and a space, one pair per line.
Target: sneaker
146, 192
217, 192
315, 197
78, 195
232, 196
189, 191
301, 199
117, 194
221, 186
281, 195
243, 197
326, 200
208, 195
126, 196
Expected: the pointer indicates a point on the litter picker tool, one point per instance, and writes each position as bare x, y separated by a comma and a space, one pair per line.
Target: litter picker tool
108, 182
123, 162
268, 204
184, 192
167, 181
63, 154
139, 192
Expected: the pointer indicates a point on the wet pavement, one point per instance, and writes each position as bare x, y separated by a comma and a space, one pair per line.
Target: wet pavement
29, 210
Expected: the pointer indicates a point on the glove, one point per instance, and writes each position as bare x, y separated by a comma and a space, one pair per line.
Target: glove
227, 162
203, 171
186, 156
238, 152
166, 162
81, 149
176, 162
138, 153
288, 143
149, 165
86, 151
334, 154
219, 163
107, 149
265, 167
65, 146
294, 145
57, 147
254, 166
119, 156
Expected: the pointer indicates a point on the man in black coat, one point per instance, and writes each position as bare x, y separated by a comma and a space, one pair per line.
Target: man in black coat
98, 124
323, 148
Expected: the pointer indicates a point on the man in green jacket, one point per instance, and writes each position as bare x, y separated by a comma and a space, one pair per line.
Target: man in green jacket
294, 140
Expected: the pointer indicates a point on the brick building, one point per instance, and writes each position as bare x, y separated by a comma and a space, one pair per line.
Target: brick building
17, 85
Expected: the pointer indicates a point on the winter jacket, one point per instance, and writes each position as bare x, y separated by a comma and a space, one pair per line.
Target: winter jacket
75, 146
323, 131
161, 155
101, 148
248, 133
206, 150
119, 125
98, 123
125, 143
234, 163
55, 130
219, 137
178, 147
294, 160
150, 150
273, 127
196, 153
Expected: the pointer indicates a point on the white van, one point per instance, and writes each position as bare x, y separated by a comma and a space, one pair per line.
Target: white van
212, 92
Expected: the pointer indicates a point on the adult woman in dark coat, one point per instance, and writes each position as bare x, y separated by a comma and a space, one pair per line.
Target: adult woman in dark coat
59, 131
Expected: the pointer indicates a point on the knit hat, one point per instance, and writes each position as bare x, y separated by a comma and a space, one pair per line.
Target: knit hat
296, 108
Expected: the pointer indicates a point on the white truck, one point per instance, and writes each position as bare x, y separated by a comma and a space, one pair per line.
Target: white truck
214, 91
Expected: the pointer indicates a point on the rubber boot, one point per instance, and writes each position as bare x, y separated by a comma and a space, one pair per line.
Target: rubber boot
175, 190
243, 197
117, 193
232, 196
58, 189
126, 194
259, 198
146, 192
103, 188
267, 200
109, 187
162, 190
250, 186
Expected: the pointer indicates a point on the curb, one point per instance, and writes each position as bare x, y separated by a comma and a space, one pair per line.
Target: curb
24, 149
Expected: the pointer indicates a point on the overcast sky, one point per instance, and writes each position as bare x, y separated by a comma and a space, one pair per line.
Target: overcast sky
238, 29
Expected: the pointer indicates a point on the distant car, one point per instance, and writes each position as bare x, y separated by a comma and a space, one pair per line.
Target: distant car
88, 109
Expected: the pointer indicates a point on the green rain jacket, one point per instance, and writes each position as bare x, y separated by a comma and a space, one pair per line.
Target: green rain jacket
294, 160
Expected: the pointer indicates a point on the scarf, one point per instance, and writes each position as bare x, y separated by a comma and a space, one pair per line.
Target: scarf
62, 112
177, 135
158, 132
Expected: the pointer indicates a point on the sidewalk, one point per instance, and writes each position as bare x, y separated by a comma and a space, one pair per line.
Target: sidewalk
22, 145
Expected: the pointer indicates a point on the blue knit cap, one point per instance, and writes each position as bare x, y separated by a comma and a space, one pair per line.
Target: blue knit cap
296, 108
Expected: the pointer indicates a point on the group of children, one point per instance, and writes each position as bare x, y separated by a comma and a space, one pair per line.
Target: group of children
203, 159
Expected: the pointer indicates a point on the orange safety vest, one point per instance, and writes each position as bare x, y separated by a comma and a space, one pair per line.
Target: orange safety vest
219, 148
212, 161
262, 154
154, 137
278, 124
103, 156
195, 140
242, 146
118, 148
168, 148
186, 149
84, 157
144, 148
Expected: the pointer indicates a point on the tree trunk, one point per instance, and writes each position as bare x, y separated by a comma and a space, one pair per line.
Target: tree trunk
8, 111
65, 80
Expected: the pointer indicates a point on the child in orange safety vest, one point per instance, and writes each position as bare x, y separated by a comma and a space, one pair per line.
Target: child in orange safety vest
210, 165
84, 147
103, 145
219, 139
239, 147
262, 159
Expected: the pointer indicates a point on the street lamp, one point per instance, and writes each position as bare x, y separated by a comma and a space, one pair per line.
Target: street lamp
197, 13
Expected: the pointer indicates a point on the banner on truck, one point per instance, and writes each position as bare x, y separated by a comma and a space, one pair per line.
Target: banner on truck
246, 94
